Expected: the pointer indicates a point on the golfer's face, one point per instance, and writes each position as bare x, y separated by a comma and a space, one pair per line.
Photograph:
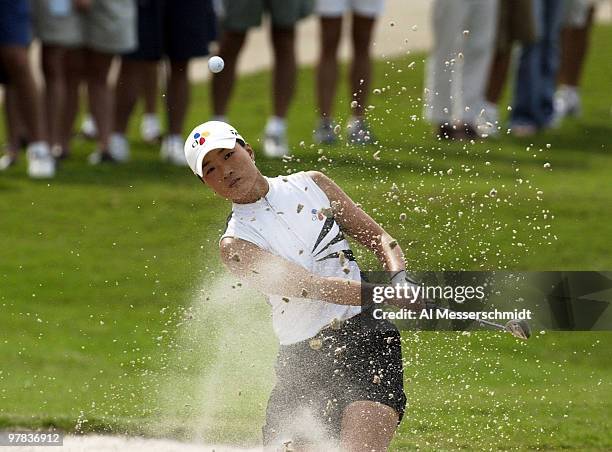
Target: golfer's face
231, 173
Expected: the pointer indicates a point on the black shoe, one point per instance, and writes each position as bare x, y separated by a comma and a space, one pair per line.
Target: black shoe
446, 132
98, 157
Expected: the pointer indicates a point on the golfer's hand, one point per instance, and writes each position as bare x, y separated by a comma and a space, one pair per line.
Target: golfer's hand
414, 302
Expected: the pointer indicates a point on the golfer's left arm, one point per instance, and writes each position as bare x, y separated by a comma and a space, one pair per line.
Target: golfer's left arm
359, 225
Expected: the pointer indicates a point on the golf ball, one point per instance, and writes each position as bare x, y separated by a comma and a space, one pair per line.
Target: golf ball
215, 64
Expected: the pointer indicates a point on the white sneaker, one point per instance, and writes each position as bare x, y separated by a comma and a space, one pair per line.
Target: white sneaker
150, 129
99, 157
325, 132
6, 161
358, 132
41, 164
275, 138
172, 150
487, 122
119, 148
89, 128
566, 103
275, 145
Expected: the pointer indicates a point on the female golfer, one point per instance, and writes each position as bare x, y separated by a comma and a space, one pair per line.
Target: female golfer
339, 372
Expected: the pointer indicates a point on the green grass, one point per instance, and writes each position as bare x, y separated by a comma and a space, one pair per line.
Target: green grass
102, 268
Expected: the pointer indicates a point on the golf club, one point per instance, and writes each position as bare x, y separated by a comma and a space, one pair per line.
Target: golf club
518, 328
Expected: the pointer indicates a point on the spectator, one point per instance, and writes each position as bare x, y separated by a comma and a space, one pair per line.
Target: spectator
516, 24
236, 17
537, 72
457, 69
15, 37
84, 36
364, 17
150, 128
165, 29
51, 26
575, 35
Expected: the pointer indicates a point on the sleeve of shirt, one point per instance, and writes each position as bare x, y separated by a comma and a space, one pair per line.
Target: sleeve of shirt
238, 229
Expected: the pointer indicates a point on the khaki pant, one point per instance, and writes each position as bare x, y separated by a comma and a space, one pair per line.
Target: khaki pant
456, 84
109, 26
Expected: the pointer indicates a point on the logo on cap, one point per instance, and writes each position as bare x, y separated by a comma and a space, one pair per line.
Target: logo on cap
199, 139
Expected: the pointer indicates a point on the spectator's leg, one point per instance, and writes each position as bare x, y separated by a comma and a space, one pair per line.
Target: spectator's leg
128, 87
448, 24
552, 19
285, 69
498, 76
327, 69
223, 82
527, 91
150, 86
15, 128
574, 48
100, 94
478, 47
178, 96
150, 129
55, 93
73, 70
17, 67
361, 65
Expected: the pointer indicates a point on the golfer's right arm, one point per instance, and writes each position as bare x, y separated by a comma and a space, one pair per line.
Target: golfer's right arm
274, 275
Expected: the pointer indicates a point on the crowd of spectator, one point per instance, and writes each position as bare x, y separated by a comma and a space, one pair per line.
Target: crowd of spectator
471, 58
469, 63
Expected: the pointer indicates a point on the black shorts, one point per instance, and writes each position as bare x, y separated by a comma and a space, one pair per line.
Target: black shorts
360, 361
178, 29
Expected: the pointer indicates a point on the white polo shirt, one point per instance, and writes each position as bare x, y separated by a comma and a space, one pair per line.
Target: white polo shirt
290, 221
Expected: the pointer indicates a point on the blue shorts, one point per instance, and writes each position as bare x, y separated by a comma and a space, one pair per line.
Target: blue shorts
178, 29
15, 27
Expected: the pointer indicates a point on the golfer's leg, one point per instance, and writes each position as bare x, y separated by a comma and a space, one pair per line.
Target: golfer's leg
327, 70
361, 65
478, 52
367, 426
223, 82
285, 69
178, 96
100, 93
